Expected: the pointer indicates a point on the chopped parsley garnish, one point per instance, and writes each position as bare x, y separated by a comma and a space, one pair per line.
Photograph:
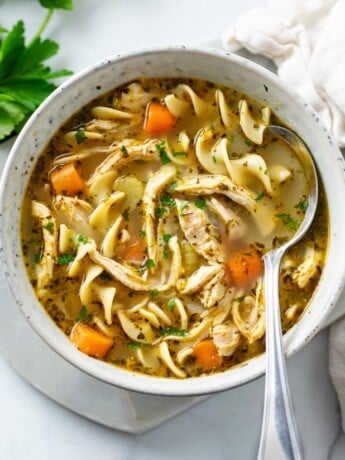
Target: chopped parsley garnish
155, 293
148, 264
302, 205
266, 87
105, 276
125, 214
37, 258
162, 150
83, 239
82, 315
168, 201
65, 259
171, 304
171, 330
214, 159
239, 299
287, 220
124, 151
166, 237
248, 143
142, 234
80, 135
172, 186
260, 196
49, 226
135, 345
200, 203
159, 212
179, 154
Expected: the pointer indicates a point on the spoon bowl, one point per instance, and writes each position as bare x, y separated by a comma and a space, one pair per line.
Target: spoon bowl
279, 436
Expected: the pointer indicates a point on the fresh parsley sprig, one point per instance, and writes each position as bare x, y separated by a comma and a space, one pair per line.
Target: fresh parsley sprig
24, 77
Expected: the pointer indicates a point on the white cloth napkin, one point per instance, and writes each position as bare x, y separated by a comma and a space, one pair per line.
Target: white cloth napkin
306, 41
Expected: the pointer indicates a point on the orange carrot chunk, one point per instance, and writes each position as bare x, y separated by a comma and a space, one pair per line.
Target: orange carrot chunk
244, 267
66, 180
158, 119
90, 341
134, 253
207, 356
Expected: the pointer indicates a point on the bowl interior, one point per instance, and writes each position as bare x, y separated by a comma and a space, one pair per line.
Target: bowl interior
207, 64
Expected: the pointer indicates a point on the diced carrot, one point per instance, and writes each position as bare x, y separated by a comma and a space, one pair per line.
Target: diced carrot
90, 341
134, 253
158, 119
66, 180
207, 356
244, 266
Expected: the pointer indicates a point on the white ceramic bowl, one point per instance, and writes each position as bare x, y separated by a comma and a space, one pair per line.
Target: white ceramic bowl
218, 66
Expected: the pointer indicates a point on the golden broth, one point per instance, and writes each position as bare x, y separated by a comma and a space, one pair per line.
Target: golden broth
144, 255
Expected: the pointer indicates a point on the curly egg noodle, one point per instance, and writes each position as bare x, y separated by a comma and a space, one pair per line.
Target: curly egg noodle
145, 221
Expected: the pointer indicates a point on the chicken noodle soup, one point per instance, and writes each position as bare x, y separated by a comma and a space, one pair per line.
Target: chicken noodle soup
145, 221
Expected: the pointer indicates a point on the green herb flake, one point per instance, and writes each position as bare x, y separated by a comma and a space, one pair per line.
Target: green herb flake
260, 196
239, 299
80, 135
248, 143
142, 234
125, 214
148, 264
171, 304
124, 151
159, 212
82, 315
214, 159
49, 226
135, 345
266, 87
168, 201
83, 239
105, 276
162, 150
172, 186
171, 330
155, 293
302, 205
65, 259
200, 203
179, 154
287, 220
37, 258
166, 237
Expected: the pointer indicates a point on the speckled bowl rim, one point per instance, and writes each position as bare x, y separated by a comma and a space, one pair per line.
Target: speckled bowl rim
14, 270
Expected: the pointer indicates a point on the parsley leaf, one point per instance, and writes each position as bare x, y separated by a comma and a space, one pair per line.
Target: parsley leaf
142, 234
155, 293
166, 237
168, 201
83, 239
200, 203
159, 212
179, 154
134, 345
302, 205
260, 196
171, 330
171, 304
23, 75
162, 150
80, 135
65, 259
124, 151
37, 258
172, 186
148, 264
82, 315
49, 226
287, 220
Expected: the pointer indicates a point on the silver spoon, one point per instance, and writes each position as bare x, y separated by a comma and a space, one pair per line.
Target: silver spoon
279, 437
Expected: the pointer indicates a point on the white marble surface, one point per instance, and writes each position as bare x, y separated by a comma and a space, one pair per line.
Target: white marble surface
227, 425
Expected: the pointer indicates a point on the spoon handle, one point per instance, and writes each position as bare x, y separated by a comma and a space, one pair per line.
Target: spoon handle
279, 437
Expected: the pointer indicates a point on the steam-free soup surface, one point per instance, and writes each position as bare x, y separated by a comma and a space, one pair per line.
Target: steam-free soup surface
145, 222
